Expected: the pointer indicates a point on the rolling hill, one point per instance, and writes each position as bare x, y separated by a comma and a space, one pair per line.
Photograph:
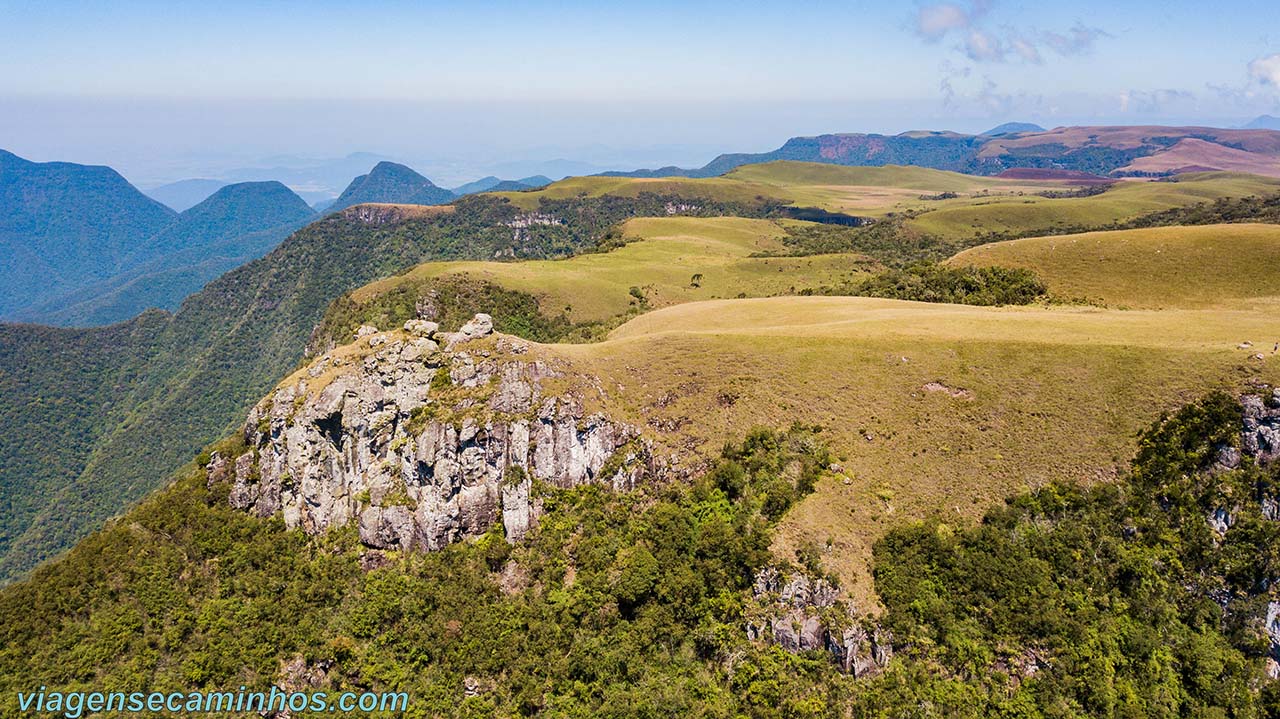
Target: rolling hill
663, 261
947, 206
150, 391
1195, 155
931, 409
1168, 267
191, 374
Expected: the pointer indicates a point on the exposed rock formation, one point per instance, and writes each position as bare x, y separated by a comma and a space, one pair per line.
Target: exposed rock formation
1272, 627
804, 614
1261, 438
421, 446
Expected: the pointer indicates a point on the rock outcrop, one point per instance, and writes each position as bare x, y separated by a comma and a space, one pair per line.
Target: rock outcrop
800, 613
1261, 437
422, 446
1271, 625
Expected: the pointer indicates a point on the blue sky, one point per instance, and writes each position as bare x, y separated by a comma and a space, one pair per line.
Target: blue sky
154, 85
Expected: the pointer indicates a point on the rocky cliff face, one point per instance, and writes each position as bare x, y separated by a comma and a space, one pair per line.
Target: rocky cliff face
801, 613
424, 438
1260, 442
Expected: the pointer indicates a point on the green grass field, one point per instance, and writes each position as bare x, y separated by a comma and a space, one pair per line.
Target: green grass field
969, 216
1204, 266
871, 190
785, 173
714, 188
661, 259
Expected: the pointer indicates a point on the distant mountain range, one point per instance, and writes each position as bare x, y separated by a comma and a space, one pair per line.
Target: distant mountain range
495, 184
1108, 150
1264, 122
314, 180
391, 182
185, 194
79, 245
1010, 128
238, 223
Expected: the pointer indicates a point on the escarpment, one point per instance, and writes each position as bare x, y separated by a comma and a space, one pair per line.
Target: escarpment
424, 438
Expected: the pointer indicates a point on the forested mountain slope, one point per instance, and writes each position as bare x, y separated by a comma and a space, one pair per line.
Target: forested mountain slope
236, 224
63, 226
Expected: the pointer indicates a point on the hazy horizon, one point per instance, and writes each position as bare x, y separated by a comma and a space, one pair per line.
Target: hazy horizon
461, 92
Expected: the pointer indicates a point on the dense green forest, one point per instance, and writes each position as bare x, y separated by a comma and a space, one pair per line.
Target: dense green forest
930, 282
65, 226
234, 225
621, 604
1116, 601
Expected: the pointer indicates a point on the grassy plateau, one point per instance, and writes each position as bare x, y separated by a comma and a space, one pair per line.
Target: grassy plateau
934, 410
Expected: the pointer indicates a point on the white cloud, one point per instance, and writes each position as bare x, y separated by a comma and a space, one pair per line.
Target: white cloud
935, 21
965, 22
1154, 102
1078, 40
1026, 50
1266, 70
982, 46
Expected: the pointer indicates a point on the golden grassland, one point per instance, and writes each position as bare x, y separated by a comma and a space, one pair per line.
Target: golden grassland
713, 188
932, 409
872, 191
1203, 266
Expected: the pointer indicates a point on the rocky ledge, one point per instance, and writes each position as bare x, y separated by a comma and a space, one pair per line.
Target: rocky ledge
424, 438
